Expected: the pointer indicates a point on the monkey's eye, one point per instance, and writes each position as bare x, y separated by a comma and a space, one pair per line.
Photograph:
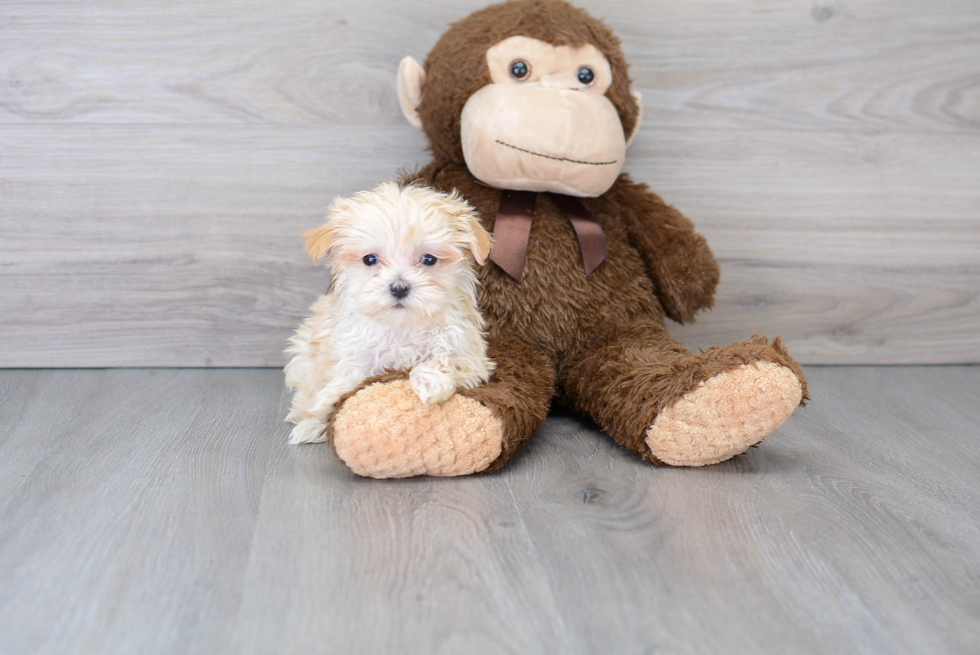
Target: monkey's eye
370, 260
520, 70
429, 260
586, 76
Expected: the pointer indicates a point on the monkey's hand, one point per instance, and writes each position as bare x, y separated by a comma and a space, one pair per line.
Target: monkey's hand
677, 259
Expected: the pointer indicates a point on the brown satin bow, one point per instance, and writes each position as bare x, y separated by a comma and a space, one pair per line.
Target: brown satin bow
513, 227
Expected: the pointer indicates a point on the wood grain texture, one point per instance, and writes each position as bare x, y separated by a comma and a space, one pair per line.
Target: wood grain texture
160, 511
140, 245
158, 161
875, 64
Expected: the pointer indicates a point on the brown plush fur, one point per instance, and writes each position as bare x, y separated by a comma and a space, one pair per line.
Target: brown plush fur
599, 341
602, 336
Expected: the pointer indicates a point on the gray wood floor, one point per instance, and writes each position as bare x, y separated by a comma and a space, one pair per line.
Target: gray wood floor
160, 511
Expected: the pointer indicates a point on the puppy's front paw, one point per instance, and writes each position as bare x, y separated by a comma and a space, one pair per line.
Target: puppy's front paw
308, 431
432, 385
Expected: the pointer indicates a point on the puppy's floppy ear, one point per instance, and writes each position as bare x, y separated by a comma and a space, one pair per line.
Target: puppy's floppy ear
480, 241
472, 233
320, 241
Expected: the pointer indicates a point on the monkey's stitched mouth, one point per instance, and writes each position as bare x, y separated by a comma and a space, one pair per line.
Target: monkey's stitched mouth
570, 161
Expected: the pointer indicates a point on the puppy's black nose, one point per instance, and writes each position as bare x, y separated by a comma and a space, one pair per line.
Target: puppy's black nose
400, 290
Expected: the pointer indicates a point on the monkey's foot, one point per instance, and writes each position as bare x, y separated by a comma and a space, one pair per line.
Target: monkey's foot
725, 415
384, 431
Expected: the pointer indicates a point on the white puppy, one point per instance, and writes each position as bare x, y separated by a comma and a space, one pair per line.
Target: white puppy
402, 295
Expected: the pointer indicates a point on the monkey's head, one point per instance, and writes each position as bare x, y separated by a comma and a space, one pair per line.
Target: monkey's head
532, 95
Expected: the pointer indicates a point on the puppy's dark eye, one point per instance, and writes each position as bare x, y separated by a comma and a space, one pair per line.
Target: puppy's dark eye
586, 76
429, 260
370, 260
520, 70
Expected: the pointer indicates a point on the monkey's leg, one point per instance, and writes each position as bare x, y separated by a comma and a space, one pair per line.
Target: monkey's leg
382, 429
671, 407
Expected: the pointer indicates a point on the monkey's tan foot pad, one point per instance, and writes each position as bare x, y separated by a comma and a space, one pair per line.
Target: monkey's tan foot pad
384, 431
725, 415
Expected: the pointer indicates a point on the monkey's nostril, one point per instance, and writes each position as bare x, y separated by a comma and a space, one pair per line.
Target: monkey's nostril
399, 290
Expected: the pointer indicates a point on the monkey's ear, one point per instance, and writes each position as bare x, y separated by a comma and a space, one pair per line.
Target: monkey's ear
639, 117
411, 75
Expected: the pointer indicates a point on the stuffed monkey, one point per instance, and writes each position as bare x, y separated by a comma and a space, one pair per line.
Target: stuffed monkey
528, 112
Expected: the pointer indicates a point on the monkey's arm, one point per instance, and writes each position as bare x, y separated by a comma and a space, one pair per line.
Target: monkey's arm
678, 260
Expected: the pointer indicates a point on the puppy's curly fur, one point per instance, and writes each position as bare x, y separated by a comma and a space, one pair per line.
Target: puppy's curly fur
402, 296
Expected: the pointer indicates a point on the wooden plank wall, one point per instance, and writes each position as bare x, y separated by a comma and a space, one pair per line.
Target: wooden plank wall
158, 160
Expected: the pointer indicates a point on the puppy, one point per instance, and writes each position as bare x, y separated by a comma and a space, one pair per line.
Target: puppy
402, 295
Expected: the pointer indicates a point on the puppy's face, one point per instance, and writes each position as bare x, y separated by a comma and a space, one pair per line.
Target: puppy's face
401, 256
